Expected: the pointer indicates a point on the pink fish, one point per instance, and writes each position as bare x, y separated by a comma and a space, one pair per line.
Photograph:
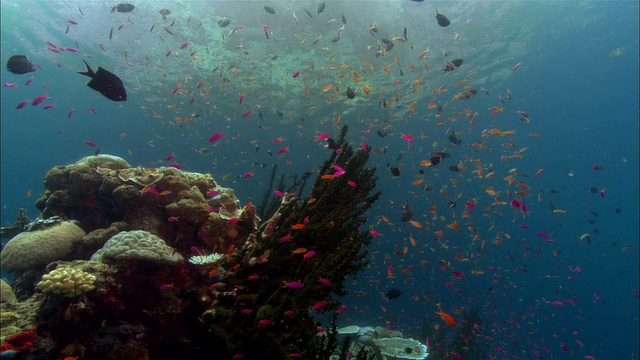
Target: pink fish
215, 137
294, 285
129, 20
102, 48
192, 99
177, 166
93, 111
175, 90
185, 44
57, 63
72, 22
469, 205
49, 106
22, 104
246, 114
248, 174
325, 282
29, 80
266, 34
265, 322
170, 156
70, 113
543, 235
278, 193
242, 98
351, 183
322, 137
515, 203
296, 74
409, 138
129, 63
319, 305
90, 143
538, 172
283, 150
8, 84
602, 192
199, 85
339, 171
167, 30
374, 232
37, 101
308, 255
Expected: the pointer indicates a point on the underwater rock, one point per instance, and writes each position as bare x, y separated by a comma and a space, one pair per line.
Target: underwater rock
188, 210
137, 245
35, 249
226, 202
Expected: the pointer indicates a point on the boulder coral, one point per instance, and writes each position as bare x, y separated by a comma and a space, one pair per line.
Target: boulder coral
137, 245
32, 250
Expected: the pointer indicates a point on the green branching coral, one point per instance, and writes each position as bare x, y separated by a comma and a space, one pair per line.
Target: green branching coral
329, 222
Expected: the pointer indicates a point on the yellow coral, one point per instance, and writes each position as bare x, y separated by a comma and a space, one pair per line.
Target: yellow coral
67, 282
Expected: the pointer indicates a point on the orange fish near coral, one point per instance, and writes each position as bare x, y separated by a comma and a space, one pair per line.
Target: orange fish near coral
448, 319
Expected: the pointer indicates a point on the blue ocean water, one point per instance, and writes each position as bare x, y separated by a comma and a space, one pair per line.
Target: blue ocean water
540, 296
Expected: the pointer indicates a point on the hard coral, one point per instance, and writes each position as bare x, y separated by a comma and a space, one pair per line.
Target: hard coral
66, 282
137, 245
35, 249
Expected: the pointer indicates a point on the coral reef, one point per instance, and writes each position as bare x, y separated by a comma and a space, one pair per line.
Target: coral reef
35, 249
242, 292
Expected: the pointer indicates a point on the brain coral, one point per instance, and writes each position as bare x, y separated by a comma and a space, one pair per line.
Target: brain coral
66, 282
33, 249
137, 245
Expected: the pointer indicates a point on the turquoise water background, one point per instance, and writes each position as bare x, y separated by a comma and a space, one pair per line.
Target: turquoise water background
578, 83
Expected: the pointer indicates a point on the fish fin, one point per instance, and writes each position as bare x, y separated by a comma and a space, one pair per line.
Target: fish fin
88, 72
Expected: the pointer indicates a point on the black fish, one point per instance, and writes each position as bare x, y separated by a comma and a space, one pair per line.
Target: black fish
279, 113
381, 133
436, 157
417, 0
19, 64
406, 213
450, 66
125, 7
320, 8
350, 93
269, 9
308, 13
106, 83
454, 168
393, 293
224, 22
331, 144
344, 19
593, 190
454, 139
164, 12
395, 171
442, 20
618, 211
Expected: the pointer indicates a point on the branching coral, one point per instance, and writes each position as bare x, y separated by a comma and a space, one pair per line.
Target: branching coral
329, 223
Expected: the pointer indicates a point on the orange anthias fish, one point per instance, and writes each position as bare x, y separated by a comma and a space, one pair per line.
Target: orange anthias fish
447, 318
